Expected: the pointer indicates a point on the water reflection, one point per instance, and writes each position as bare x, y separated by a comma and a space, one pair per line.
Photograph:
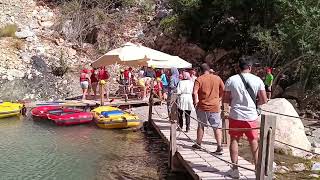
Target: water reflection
40, 150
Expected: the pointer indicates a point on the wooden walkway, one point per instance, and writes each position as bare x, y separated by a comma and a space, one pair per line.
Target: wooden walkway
90, 103
200, 164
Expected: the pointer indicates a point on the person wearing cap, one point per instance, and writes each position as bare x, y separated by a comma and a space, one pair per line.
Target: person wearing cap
268, 82
207, 94
84, 82
241, 93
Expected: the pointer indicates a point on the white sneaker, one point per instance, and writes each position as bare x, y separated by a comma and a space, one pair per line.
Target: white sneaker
234, 173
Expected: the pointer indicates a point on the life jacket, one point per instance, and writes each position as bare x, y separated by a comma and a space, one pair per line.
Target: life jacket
83, 77
158, 73
103, 74
126, 74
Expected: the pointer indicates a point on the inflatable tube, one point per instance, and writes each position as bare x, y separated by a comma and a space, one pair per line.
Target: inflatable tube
114, 118
42, 111
8, 109
67, 117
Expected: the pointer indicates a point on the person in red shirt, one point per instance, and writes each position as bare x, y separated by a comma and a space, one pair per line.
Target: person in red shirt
103, 77
84, 82
158, 88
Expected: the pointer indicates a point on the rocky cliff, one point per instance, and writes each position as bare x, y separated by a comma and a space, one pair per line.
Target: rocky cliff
38, 61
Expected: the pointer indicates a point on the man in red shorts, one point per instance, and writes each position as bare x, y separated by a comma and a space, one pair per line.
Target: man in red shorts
241, 93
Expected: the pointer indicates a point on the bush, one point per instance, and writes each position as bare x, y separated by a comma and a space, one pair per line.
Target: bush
8, 30
62, 68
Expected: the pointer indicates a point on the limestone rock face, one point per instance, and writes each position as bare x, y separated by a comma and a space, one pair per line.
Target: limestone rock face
289, 130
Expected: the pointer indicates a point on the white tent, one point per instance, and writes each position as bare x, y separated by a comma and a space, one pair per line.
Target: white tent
136, 55
174, 61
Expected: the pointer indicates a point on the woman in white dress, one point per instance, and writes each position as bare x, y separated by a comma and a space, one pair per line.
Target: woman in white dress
185, 102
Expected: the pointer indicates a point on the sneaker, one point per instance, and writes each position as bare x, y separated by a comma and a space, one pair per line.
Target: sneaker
196, 146
233, 173
219, 151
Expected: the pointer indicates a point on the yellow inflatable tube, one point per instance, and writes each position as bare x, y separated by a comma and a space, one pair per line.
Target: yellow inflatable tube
117, 121
8, 109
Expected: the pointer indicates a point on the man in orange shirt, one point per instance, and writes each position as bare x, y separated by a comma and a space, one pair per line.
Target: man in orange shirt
207, 94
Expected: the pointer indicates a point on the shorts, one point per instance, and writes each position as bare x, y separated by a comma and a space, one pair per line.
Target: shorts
214, 119
84, 84
267, 88
237, 134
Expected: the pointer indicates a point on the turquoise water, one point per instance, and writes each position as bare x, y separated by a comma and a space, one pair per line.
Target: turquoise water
40, 150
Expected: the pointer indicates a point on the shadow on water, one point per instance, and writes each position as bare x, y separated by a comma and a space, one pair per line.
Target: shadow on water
41, 150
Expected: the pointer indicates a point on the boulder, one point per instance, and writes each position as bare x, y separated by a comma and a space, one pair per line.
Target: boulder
15, 73
24, 34
288, 129
315, 166
299, 167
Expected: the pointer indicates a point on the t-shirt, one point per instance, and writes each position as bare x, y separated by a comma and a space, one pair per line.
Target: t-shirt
164, 80
268, 80
242, 106
210, 89
150, 73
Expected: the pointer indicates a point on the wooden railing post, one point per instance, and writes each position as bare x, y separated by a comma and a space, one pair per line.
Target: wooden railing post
150, 102
225, 125
173, 117
101, 88
266, 148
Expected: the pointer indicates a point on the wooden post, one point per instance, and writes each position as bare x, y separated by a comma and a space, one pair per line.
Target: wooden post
150, 102
173, 117
225, 125
266, 148
101, 88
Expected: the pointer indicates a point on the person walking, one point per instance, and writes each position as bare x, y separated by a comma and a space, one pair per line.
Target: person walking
241, 93
173, 84
207, 93
268, 83
103, 77
165, 84
185, 101
94, 82
193, 74
84, 82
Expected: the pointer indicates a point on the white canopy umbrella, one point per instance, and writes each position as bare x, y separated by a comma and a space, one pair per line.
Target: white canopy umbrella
174, 61
131, 55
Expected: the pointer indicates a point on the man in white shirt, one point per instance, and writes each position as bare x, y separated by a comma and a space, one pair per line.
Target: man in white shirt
243, 112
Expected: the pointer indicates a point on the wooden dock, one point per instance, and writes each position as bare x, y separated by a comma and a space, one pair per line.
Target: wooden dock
200, 164
90, 103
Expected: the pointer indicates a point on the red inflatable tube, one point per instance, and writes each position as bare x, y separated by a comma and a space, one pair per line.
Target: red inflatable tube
67, 117
42, 111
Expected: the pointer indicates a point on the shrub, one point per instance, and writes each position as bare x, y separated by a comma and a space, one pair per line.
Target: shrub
62, 67
8, 30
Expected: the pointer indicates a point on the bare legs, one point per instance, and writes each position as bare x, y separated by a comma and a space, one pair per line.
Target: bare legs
234, 150
269, 95
217, 135
94, 89
84, 93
